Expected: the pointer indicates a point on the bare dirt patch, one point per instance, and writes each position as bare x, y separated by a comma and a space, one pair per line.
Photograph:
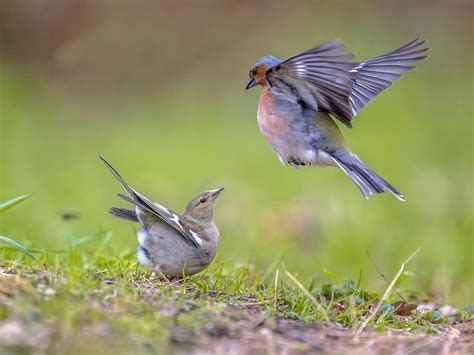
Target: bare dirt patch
274, 335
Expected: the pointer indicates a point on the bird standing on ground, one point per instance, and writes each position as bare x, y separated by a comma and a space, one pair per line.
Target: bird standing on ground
302, 93
172, 244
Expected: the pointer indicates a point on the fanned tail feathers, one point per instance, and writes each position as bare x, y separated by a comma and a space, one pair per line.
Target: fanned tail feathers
368, 182
123, 213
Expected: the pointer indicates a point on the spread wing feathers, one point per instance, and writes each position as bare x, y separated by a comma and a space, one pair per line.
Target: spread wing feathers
377, 74
167, 216
326, 72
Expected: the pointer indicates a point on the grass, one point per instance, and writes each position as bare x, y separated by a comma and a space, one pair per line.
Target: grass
84, 299
85, 294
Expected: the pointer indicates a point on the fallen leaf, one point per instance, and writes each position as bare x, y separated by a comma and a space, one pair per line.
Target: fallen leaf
403, 308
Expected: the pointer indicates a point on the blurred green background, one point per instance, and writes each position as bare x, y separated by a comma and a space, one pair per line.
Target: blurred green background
158, 90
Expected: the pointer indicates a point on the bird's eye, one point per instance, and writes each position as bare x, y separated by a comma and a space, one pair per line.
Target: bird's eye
202, 200
250, 73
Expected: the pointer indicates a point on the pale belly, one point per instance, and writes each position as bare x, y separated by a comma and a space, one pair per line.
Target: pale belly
290, 145
168, 254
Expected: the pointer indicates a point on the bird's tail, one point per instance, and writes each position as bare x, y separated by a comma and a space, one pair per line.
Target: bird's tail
366, 179
123, 213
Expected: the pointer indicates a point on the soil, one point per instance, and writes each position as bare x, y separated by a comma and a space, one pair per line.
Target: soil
251, 333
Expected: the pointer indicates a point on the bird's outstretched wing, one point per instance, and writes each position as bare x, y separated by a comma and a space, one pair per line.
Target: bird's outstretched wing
326, 78
377, 74
321, 76
167, 216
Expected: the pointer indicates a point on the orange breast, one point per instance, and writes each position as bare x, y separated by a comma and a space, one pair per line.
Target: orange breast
273, 125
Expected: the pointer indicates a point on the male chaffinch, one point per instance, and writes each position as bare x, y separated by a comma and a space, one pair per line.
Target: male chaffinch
302, 93
169, 243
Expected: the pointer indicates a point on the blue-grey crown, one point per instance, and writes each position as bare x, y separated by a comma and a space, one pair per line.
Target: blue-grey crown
269, 61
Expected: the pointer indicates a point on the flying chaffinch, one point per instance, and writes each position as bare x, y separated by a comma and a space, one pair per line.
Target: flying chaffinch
303, 93
170, 243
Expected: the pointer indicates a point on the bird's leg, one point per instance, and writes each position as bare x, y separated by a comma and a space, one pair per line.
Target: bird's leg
161, 276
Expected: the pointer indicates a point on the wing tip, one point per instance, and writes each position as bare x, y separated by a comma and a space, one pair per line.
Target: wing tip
107, 164
419, 42
103, 160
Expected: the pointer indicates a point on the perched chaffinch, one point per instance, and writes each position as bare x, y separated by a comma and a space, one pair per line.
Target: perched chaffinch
169, 243
303, 93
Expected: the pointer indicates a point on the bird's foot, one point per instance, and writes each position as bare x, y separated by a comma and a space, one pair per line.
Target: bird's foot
165, 279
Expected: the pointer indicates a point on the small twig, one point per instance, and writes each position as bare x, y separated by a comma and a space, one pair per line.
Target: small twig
307, 293
276, 287
257, 303
387, 292
383, 275
302, 288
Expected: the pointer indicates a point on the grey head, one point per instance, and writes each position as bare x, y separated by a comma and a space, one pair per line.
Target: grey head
268, 60
257, 73
201, 207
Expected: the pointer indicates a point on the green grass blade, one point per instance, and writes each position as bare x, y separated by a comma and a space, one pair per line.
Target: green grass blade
13, 202
20, 247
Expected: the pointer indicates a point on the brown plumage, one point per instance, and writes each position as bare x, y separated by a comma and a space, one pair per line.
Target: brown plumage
171, 243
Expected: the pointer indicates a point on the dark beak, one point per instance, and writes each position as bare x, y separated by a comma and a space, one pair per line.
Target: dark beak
251, 84
216, 192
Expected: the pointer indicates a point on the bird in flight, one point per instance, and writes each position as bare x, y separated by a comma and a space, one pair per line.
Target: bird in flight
302, 95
